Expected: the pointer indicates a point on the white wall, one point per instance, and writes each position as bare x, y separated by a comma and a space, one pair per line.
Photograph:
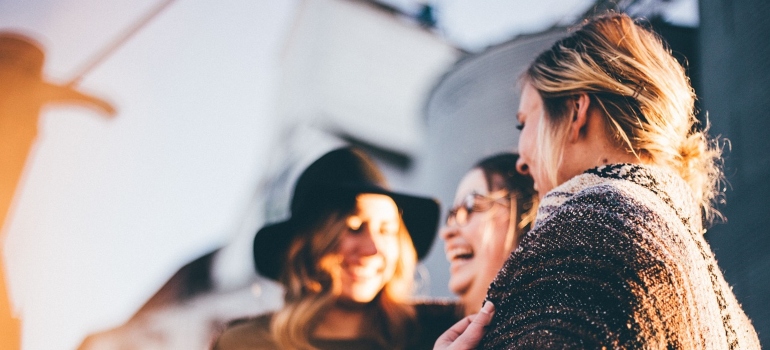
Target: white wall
111, 208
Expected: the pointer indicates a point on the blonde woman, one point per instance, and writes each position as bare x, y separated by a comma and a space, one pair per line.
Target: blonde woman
346, 259
494, 208
617, 257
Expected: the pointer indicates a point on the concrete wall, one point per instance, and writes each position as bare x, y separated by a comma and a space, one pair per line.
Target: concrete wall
735, 91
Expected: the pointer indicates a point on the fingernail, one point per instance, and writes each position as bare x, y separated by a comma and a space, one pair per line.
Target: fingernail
488, 306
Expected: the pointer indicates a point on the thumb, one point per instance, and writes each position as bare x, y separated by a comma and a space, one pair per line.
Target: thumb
467, 334
477, 328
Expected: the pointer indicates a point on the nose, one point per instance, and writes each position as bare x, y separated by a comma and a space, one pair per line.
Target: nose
448, 232
367, 245
522, 166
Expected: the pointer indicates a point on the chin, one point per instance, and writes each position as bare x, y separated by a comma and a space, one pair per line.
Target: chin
362, 295
359, 299
458, 288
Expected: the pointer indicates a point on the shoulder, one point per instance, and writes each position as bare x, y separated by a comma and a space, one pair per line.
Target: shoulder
619, 188
246, 333
591, 259
607, 226
595, 213
624, 193
594, 209
589, 191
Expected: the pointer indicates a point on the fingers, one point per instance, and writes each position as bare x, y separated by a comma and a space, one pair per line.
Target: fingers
447, 338
484, 317
467, 333
476, 330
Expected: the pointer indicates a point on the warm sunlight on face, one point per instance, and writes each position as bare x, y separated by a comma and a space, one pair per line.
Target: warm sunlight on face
530, 114
369, 249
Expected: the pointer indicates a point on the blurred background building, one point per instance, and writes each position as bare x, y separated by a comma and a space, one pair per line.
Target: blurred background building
137, 230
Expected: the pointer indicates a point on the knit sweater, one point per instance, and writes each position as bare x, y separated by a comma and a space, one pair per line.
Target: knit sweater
616, 259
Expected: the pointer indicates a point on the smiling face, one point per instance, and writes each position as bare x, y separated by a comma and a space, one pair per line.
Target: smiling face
531, 114
477, 250
369, 248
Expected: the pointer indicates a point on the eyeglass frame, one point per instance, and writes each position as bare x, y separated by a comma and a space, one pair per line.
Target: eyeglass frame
468, 204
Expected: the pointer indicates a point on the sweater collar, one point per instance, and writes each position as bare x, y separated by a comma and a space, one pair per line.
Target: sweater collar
665, 184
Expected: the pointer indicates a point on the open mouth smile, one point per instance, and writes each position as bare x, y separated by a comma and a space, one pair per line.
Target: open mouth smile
459, 254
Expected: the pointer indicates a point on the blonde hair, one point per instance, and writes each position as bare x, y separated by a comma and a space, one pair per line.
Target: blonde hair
310, 281
631, 77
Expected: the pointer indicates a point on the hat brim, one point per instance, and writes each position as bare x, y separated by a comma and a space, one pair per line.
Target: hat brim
420, 216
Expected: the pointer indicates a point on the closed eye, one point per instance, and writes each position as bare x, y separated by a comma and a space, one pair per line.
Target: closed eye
355, 224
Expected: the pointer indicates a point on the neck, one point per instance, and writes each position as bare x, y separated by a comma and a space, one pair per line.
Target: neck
342, 322
580, 159
474, 296
592, 149
471, 305
611, 155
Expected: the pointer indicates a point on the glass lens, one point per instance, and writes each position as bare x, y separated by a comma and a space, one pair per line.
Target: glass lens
472, 203
461, 216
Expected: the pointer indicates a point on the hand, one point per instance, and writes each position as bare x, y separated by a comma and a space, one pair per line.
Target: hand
467, 333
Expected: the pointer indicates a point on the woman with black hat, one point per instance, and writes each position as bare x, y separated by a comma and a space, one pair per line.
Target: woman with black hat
346, 259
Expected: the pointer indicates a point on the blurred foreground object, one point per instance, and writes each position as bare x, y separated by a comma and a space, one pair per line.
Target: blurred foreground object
23, 93
362, 73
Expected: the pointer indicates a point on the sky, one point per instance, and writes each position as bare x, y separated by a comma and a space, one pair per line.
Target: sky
110, 208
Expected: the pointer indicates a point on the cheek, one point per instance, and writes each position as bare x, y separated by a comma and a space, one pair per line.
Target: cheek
501, 243
346, 245
492, 242
474, 234
390, 251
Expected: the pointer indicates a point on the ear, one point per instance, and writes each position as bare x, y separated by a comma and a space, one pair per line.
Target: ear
580, 116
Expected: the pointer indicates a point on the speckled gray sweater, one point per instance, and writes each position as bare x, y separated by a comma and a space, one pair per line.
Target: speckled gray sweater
616, 259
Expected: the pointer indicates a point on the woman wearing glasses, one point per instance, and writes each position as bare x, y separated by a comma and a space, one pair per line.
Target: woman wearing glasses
494, 206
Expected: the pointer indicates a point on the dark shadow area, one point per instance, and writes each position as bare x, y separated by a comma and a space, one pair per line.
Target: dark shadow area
734, 51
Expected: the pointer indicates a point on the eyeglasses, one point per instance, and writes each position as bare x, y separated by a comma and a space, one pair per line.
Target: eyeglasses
474, 203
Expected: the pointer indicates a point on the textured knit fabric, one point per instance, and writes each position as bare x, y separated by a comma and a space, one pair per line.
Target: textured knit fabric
433, 318
616, 260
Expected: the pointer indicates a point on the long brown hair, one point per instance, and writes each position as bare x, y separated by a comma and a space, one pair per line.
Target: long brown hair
642, 91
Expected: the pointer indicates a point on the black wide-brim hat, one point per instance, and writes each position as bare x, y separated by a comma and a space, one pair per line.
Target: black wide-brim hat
332, 183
